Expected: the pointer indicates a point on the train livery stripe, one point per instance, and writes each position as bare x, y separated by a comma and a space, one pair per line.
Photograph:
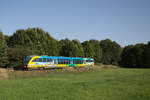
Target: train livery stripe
54, 62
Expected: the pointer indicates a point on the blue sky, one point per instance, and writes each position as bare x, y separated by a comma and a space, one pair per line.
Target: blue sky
124, 21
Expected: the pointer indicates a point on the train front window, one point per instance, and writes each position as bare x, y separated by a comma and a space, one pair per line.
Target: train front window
27, 59
36, 60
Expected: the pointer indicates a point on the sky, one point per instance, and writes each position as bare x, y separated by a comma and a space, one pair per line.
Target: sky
124, 21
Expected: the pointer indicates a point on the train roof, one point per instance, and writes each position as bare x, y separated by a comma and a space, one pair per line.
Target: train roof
62, 57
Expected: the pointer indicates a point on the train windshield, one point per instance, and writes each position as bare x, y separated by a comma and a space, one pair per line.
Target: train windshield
27, 59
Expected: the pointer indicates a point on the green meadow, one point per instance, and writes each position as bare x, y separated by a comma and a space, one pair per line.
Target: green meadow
102, 84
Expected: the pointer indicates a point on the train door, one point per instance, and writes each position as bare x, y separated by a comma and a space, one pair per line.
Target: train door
55, 62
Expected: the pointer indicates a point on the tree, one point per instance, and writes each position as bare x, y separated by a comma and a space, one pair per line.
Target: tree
111, 52
138, 51
7, 38
132, 56
34, 39
17, 56
88, 49
146, 56
3, 51
65, 47
97, 51
77, 49
127, 56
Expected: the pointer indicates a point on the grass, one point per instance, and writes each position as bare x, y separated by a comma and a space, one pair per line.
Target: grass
103, 84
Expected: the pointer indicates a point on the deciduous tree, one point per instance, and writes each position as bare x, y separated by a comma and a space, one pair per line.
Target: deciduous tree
88, 49
111, 52
3, 51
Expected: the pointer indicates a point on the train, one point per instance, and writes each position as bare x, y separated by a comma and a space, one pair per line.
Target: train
44, 62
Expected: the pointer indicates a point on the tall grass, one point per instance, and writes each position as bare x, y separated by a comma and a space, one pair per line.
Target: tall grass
103, 84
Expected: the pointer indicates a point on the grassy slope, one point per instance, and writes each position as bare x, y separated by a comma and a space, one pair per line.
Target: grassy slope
106, 84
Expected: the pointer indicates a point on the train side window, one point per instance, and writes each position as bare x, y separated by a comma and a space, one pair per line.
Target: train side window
65, 61
89, 60
68, 61
40, 59
62, 61
49, 60
81, 61
44, 59
77, 61
74, 61
58, 61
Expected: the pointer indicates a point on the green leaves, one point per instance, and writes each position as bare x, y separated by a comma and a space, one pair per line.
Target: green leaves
88, 49
97, 50
111, 52
71, 48
3, 51
146, 56
35, 41
136, 56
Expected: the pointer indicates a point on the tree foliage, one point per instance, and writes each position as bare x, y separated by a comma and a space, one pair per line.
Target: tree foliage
65, 47
146, 56
111, 52
35, 41
126, 56
77, 49
97, 50
88, 49
71, 48
136, 56
17, 55
3, 51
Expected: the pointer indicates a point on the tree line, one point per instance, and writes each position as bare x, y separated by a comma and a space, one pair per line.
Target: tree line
35, 41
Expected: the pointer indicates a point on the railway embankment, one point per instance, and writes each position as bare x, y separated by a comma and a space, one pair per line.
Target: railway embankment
19, 74
3, 73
